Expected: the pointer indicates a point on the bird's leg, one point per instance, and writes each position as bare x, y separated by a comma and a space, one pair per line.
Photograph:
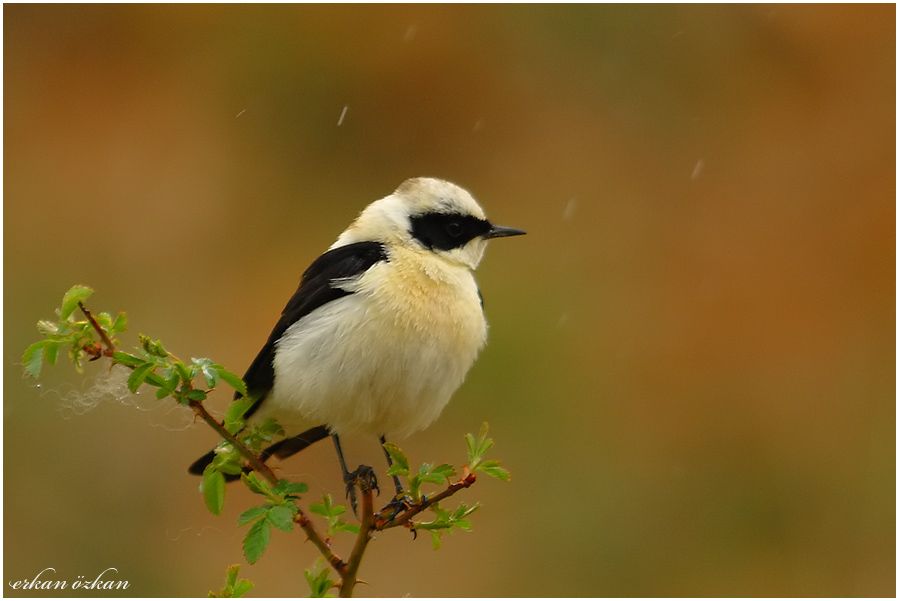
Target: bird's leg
351, 478
348, 480
396, 479
401, 501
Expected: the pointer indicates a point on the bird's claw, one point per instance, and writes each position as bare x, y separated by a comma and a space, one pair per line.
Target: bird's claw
363, 477
400, 503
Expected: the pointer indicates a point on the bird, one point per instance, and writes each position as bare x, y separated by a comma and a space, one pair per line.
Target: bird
382, 329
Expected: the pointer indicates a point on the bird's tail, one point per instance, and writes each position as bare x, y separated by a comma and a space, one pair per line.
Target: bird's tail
281, 449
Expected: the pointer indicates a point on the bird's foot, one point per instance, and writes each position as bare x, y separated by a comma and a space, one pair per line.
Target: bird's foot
363, 477
400, 503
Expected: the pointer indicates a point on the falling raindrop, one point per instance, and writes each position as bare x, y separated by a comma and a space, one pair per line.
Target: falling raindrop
570, 208
697, 169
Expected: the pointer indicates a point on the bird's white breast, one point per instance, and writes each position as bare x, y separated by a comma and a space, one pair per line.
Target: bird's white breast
386, 358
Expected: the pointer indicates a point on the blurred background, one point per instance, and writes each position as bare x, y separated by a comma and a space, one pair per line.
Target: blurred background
691, 362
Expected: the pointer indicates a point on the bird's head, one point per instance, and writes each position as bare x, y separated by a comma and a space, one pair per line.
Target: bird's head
430, 215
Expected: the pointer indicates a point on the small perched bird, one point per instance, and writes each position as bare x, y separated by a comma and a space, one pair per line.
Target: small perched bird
383, 327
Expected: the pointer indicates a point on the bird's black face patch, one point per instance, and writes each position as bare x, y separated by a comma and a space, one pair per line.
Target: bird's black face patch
446, 231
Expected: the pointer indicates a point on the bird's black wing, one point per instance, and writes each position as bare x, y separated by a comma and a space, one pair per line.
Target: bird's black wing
314, 291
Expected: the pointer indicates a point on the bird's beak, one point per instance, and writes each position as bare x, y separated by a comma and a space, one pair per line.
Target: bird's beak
498, 231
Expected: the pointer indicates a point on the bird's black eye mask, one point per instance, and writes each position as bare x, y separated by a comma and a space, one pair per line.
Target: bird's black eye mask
446, 231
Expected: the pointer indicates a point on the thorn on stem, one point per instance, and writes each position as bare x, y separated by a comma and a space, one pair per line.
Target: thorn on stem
110, 347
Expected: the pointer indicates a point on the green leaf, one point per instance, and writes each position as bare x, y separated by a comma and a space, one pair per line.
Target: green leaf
319, 580
120, 324
340, 525
196, 395
463, 511
428, 473
445, 471
252, 483
170, 383
75, 355
105, 320
257, 485
236, 410
241, 588
231, 575
478, 447
332, 514
184, 372
33, 358
211, 374
47, 328
323, 508
435, 538
233, 380
261, 435
436, 475
485, 446
230, 465
213, 487
51, 350
127, 359
269, 428
256, 540
281, 517
399, 460
208, 368
251, 514
234, 587
155, 379
152, 347
138, 376
493, 468
72, 297
286, 487
227, 459
472, 446
446, 521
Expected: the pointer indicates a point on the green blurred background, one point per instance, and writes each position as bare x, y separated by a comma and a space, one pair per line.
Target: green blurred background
691, 360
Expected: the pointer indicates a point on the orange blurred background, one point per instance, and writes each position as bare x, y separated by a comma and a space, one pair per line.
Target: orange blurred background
691, 361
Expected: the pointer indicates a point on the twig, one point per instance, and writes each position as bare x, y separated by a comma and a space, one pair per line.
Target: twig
110, 347
303, 521
366, 526
406, 516
257, 464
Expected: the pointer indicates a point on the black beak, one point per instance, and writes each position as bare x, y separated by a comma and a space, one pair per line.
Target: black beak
498, 231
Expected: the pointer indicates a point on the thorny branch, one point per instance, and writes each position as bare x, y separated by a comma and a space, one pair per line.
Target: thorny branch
348, 575
255, 462
404, 519
302, 520
371, 522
